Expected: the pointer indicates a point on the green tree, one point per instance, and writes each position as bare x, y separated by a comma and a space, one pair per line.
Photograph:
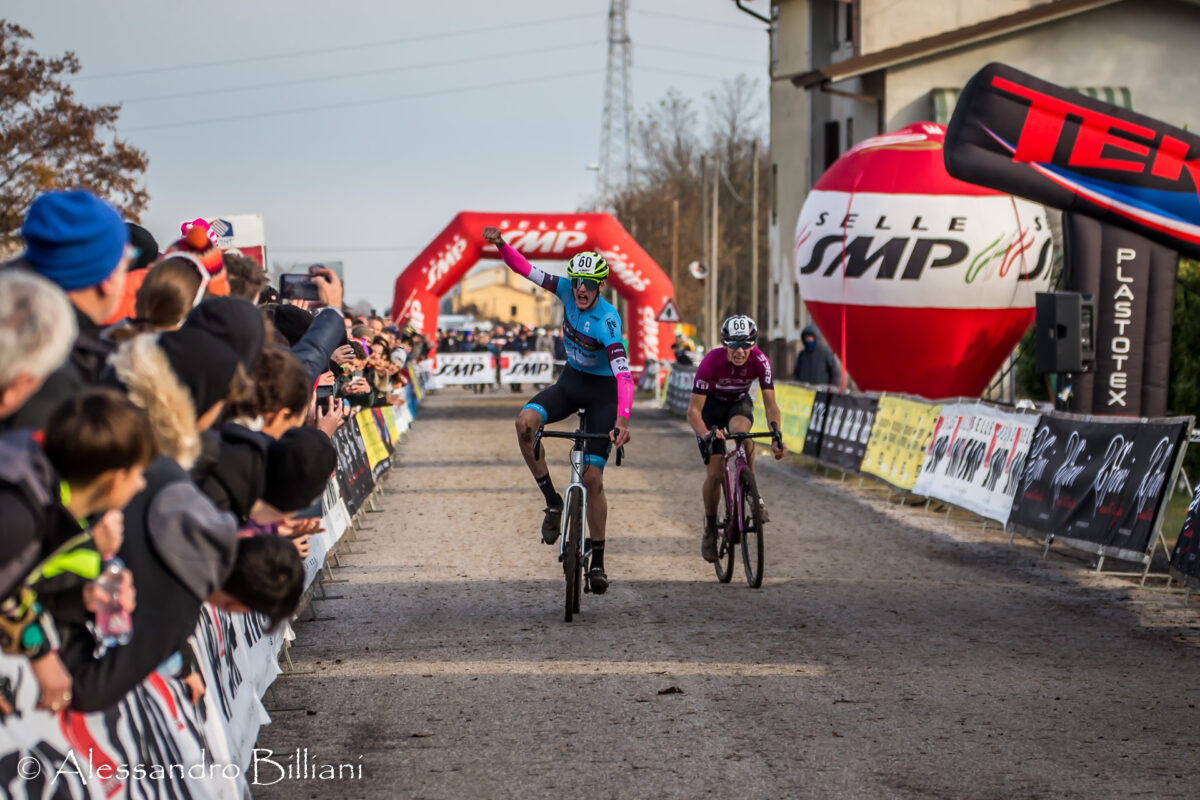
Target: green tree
49, 140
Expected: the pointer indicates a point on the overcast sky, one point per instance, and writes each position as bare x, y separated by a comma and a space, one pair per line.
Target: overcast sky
392, 115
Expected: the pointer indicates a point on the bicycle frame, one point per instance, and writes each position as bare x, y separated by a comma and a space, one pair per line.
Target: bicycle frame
576, 485
735, 463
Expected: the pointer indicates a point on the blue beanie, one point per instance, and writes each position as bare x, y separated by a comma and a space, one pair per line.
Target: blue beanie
73, 238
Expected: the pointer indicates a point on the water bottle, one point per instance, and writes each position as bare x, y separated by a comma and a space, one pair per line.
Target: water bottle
114, 625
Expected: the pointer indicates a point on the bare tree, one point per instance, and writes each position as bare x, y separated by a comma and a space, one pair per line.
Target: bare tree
48, 140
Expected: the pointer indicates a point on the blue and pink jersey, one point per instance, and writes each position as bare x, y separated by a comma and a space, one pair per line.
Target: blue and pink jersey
592, 337
717, 378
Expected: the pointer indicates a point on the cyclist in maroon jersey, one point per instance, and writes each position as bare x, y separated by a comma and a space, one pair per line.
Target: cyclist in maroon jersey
721, 399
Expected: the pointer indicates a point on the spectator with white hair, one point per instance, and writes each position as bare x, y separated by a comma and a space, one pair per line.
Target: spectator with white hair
37, 328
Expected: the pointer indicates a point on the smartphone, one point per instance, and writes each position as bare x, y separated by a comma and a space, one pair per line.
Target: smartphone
324, 396
298, 286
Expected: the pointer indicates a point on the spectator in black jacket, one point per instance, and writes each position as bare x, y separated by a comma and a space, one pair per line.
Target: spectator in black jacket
815, 363
80, 243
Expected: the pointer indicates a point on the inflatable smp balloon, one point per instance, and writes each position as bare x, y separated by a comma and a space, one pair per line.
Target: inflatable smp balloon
920, 283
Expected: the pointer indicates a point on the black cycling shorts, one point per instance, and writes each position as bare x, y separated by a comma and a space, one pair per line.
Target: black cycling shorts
719, 412
575, 390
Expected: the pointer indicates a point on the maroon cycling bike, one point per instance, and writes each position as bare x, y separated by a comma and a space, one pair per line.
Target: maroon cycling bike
739, 512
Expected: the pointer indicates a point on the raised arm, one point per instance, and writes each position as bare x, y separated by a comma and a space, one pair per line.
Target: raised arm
518, 263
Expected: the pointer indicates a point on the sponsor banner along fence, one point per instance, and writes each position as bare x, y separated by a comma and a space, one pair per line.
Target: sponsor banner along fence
1099, 484
154, 742
975, 458
901, 436
464, 369
1185, 559
534, 367
1096, 484
840, 428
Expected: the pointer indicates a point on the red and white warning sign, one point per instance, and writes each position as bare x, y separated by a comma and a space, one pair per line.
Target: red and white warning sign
669, 312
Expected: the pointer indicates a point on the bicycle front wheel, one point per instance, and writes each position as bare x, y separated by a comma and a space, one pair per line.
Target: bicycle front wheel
723, 566
573, 565
752, 530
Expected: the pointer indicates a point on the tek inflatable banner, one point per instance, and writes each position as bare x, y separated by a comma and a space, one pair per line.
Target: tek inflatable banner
975, 458
899, 440
795, 411
1098, 485
535, 367
840, 428
464, 369
1020, 134
1185, 559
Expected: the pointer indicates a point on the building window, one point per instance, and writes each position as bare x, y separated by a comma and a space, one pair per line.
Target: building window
512, 311
849, 132
832, 142
775, 193
795, 304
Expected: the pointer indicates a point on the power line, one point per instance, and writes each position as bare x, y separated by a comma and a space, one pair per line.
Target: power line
324, 78
727, 26
337, 49
682, 73
756, 61
376, 101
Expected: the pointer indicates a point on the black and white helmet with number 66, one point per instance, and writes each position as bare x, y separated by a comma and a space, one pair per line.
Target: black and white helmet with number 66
739, 328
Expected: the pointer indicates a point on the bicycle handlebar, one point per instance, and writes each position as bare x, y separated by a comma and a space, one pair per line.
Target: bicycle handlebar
575, 436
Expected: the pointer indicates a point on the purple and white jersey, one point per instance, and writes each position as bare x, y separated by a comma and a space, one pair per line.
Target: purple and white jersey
722, 381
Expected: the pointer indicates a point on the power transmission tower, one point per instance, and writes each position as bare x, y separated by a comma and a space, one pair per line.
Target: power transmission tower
616, 136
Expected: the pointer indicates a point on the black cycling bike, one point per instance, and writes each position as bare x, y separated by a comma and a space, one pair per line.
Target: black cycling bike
571, 551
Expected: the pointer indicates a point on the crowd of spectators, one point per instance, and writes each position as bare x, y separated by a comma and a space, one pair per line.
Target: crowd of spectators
165, 439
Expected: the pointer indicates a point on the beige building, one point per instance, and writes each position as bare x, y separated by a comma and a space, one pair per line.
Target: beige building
845, 70
496, 292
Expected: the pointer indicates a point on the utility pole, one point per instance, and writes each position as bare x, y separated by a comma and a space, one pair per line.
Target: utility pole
675, 248
713, 270
754, 232
702, 323
616, 127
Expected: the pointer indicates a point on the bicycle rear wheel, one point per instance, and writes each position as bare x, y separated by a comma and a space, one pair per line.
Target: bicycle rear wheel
723, 566
752, 530
573, 565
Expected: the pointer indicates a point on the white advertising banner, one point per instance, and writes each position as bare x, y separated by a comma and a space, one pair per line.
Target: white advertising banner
533, 367
975, 457
464, 369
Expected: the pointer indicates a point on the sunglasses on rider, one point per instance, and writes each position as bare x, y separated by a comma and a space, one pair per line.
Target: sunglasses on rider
739, 345
591, 284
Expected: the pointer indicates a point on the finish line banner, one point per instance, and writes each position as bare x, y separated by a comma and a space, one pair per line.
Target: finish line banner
975, 458
899, 440
1098, 485
533, 367
464, 369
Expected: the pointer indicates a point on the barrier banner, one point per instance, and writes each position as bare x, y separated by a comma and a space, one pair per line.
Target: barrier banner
1185, 559
464, 369
1098, 485
353, 469
795, 410
843, 425
899, 440
389, 420
679, 389
384, 433
660, 391
975, 458
535, 367
368, 433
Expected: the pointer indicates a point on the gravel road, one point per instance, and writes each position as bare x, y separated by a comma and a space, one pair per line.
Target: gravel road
889, 654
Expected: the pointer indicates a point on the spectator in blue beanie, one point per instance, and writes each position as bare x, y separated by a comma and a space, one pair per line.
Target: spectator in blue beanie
79, 242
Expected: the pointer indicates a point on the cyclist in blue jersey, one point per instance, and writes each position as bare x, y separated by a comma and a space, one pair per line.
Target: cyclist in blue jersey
596, 379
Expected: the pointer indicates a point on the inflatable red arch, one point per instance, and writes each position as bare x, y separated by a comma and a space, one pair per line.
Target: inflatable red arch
460, 245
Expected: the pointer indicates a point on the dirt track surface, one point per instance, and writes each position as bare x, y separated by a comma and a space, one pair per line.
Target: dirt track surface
888, 653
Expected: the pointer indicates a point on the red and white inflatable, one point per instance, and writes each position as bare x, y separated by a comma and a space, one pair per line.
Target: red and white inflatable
919, 282
632, 272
